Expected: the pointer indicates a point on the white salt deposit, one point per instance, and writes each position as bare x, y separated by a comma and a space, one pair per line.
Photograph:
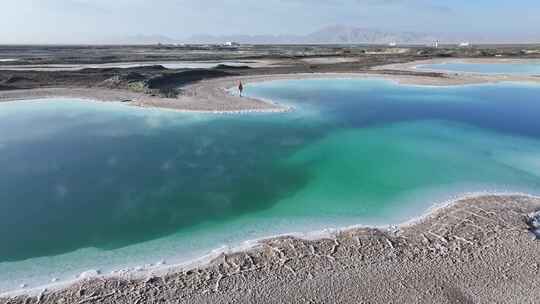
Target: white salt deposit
89, 274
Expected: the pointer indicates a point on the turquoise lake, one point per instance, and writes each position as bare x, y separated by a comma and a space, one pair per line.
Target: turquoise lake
107, 186
485, 68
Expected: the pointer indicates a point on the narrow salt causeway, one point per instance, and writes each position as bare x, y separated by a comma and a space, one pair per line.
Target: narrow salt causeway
97, 189
508, 68
126, 65
474, 70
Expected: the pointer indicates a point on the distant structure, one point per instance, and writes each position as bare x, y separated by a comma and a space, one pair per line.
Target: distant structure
436, 44
392, 44
464, 44
231, 44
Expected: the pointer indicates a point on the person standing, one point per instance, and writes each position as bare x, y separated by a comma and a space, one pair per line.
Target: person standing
240, 87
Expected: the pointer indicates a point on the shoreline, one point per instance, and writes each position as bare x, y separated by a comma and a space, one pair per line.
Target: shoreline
162, 269
214, 97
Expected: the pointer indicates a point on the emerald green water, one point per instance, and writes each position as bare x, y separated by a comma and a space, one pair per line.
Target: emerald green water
110, 187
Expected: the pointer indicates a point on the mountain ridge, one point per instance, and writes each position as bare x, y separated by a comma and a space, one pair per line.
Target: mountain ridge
337, 34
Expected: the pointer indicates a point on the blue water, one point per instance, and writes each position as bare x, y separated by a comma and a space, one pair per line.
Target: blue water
108, 186
486, 68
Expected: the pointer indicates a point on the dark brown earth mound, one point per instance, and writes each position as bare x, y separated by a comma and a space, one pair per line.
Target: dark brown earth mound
231, 67
174, 80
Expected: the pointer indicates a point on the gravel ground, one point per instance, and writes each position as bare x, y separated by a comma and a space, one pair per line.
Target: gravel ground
211, 95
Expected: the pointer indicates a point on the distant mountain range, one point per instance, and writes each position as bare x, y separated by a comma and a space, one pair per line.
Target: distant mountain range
330, 35
138, 39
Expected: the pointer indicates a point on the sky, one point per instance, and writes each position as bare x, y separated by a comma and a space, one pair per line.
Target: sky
84, 21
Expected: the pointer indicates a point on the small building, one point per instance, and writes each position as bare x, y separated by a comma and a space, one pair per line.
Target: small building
231, 44
392, 44
464, 44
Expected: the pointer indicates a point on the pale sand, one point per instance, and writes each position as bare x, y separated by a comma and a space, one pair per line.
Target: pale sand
196, 98
213, 96
329, 60
475, 250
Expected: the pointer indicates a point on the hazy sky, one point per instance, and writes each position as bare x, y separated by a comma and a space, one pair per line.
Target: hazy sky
70, 21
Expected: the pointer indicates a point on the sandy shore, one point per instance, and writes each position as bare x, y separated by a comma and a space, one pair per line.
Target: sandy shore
476, 250
212, 95
202, 97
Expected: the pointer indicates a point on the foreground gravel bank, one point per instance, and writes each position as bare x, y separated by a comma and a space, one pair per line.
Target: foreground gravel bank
477, 250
